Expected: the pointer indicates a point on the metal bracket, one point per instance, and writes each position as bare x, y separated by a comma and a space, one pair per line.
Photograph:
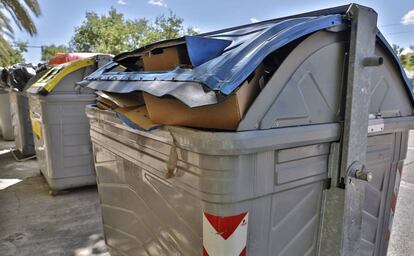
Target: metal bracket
357, 170
363, 24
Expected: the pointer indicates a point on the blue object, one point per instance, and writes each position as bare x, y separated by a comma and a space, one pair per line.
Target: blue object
202, 49
132, 124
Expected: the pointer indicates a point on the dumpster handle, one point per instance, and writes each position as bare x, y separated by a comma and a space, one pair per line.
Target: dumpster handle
172, 159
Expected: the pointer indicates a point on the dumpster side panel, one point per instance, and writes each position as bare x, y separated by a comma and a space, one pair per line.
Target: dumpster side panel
380, 153
145, 213
392, 187
63, 147
21, 123
385, 155
6, 128
314, 92
388, 96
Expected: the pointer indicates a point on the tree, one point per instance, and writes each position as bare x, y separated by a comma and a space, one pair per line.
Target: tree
19, 12
112, 33
397, 49
403, 59
411, 60
49, 51
15, 55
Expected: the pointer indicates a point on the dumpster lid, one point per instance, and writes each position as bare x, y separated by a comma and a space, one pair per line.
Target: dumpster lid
53, 76
62, 57
234, 58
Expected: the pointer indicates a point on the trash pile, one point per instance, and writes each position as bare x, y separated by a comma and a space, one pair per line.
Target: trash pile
207, 81
16, 77
123, 86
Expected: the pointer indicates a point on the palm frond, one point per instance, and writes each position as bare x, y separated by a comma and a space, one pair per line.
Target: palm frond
5, 48
20, 15
34, 7
6, 34
5, 22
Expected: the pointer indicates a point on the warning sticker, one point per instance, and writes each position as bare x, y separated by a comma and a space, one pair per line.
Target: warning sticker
225, 236
37, 128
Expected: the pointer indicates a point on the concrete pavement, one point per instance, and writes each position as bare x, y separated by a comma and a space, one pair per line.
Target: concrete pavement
34, 223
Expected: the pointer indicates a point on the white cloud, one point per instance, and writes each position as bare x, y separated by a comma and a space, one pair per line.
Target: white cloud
408, 19
121, 2
158, 3
407, 51
254, 20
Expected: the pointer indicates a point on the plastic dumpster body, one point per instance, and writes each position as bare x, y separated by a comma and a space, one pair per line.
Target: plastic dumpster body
60, 126
22, 125
233, 182
6, 128
20, 112
275, 186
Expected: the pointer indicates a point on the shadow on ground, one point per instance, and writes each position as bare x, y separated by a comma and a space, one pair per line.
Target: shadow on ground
32, 222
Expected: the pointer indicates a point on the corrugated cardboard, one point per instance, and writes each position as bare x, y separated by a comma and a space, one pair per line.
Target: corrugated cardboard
225, 115
122, 100
100, 101
137, 116
165, 58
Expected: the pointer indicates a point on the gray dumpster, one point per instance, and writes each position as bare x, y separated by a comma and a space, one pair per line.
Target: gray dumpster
313, 168
60, 126
22, 125
6, 128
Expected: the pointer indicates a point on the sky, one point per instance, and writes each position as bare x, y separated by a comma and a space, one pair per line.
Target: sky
59, 17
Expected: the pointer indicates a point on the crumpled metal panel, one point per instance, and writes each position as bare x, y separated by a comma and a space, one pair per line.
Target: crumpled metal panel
250, 45
190, 93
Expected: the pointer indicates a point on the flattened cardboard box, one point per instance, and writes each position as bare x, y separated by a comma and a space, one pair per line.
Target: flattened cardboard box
137, 116
165, 58
225, 115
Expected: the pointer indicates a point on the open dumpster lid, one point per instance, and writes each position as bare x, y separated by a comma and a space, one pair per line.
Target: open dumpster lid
242, 49
51, 78
62, 57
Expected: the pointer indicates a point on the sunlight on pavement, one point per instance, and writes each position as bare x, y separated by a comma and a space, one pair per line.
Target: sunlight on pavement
4, 151
5, 183
96, 246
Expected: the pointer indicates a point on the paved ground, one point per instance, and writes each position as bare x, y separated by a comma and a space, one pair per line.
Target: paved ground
34, 223
402, 236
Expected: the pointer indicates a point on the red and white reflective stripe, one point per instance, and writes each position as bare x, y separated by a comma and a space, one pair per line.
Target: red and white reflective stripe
394, 199
225, 236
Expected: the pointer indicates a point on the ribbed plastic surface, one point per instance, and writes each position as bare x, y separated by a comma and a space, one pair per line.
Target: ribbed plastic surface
145, 213
63, 149
6, 128
62, 140
21, 123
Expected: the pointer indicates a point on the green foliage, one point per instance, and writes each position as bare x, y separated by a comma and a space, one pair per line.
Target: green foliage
411, 60
49, 51
403, 59
112, 33
14, 55
407, 60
